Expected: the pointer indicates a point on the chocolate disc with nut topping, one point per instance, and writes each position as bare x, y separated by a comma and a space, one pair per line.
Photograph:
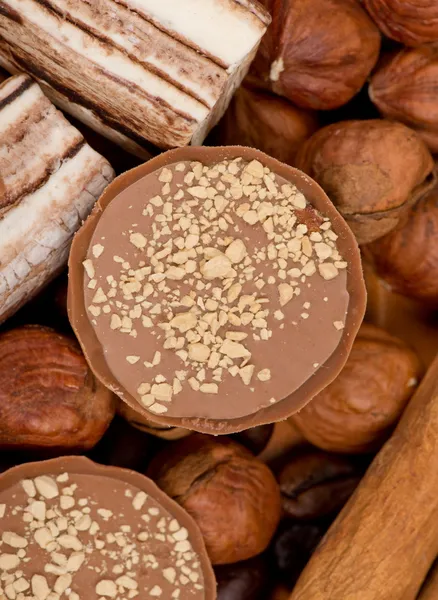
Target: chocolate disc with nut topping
72, 528
215, 289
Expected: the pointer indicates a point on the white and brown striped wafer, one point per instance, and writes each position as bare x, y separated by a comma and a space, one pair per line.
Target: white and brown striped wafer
49, 181
142, 72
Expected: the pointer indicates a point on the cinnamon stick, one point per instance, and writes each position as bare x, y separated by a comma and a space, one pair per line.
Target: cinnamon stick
385, 540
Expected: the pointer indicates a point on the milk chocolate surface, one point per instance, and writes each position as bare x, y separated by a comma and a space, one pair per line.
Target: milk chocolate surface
85, 532
214, 288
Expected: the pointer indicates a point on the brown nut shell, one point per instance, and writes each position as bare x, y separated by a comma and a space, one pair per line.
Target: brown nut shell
271, 124
371, 170
232, 496
404, 89
317, 53
49, 398
410, 22
407, 257
80, 465
347, 246
358, 410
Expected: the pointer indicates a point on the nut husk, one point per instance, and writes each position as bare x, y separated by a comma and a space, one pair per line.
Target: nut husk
384, 541
317, 53
232, 496
357, 411
407, 257
261, 120
49, 399
404, 88
411, 22
371, 170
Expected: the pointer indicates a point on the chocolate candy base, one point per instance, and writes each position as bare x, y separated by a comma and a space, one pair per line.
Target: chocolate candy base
78, 465
279, 411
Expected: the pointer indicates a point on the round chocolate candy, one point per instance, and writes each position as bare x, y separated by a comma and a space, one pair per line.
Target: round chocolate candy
71, 528
215, 289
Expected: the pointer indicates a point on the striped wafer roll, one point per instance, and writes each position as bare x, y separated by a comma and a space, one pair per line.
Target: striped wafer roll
49, 181
145, 73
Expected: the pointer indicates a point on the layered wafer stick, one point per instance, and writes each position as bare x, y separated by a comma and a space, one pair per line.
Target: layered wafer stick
49, 181
143, 73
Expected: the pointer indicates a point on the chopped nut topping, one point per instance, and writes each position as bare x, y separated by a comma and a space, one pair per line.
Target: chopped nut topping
97, 250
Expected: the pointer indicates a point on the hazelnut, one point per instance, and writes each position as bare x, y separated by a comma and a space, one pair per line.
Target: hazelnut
404, 89
233, 497
49, 399
407, 257
317, 53
411, 22
371, 170
357, 412
271, 124
315, 484
247, 580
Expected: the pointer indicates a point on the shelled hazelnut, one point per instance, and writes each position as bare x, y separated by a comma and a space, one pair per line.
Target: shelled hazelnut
232, 496
357, 411
404, 89
267, 122
315, 484
371, 170
49, 399
407, 257
411, 22
316, 53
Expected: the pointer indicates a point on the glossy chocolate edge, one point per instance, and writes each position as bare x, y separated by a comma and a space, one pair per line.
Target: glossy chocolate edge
283, 408
81, 465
